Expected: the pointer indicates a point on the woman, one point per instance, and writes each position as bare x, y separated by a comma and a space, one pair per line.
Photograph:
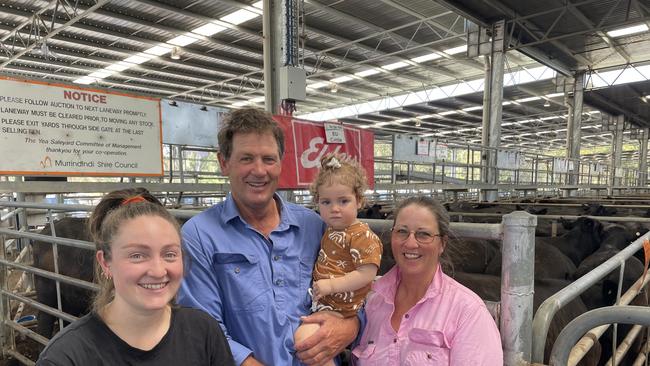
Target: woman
133, 320
416, 314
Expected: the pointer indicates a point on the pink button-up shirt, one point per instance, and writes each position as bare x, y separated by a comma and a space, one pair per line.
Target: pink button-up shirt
450, 325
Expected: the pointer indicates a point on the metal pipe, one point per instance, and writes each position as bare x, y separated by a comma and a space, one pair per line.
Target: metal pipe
622, 350
517, 287
550, 306
465, 230
607, 315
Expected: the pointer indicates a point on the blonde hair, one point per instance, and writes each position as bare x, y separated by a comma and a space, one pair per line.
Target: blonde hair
338, 168
105, 221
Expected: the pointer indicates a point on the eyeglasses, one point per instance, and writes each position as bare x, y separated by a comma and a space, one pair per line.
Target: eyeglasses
421, 237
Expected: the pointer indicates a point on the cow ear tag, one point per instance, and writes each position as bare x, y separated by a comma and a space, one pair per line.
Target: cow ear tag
646, 255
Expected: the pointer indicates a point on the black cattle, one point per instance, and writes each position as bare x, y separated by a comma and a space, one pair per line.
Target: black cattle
469, 255
596, 209
73, 262
550, 262
372, 212
583, 238
489, 288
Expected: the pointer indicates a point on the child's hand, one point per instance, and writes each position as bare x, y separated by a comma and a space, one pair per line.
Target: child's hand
322, 288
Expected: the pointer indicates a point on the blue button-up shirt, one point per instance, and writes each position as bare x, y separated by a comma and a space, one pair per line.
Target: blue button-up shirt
255, 287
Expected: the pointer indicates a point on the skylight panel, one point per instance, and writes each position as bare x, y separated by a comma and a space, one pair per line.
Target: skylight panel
395, 66
208, 29
341, 79
158, 50
101, 74
240, 16
628, 30
368, 72
182, 40
138, 59
85, 80
455, 50
427, 57
120, 66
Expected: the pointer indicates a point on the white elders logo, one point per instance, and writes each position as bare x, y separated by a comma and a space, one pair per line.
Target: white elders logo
316, 145
310, 146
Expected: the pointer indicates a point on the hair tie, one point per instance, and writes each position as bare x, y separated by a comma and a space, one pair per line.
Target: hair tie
133, 199
333, 163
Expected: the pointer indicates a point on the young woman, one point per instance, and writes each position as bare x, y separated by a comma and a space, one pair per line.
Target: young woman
350, 252
134, 320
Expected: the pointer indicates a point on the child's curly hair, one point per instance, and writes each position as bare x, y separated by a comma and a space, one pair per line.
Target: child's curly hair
338, 168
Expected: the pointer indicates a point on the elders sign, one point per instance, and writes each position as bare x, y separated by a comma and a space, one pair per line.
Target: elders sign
305, 144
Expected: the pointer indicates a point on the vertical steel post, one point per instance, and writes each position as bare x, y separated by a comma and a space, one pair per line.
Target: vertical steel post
517, 287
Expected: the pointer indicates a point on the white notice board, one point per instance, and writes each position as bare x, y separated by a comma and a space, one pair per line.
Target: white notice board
52, 129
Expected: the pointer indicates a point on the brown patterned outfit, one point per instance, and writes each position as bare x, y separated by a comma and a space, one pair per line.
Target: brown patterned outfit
342, 252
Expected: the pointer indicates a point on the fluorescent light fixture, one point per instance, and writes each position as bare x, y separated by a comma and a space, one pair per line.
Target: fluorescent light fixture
529, 99
139, 58
395, 66
475, 108
258, 99
176, 53
507, 103
455, 50
120, 66
427, 57
85, 80
238, 17
341, 79
101, 74
401, 120
446, 113
158, 50
182, 40
318, 85
628, 30
368, 72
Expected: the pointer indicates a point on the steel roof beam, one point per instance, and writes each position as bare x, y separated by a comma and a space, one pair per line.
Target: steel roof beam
641, 121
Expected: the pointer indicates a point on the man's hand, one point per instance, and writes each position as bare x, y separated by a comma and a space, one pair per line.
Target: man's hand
251, 361
322, 288
334, 334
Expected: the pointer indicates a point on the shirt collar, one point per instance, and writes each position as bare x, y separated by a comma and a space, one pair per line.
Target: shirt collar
287, 217
386, 286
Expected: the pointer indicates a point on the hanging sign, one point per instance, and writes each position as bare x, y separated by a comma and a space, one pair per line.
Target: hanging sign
52, 129
334, 133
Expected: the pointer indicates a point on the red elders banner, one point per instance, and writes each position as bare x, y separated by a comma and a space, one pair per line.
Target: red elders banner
305, 145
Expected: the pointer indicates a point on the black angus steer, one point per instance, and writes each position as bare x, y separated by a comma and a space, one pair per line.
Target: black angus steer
73, 262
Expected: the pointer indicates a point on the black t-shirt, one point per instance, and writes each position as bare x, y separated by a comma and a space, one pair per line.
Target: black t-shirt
193, 338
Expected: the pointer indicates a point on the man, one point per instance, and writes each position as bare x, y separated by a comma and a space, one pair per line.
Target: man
252, 255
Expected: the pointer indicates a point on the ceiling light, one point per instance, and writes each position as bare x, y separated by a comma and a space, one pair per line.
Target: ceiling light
84, 80
418, 123
628, 30
101, 74
334, 88
318, 85
547, 104
204, 108
529, 99
176, 53
173, 103
120, 66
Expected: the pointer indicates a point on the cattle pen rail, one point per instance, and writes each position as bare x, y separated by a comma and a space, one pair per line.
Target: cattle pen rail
516, 232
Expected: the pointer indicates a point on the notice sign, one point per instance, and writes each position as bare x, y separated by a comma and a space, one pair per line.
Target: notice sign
50, 129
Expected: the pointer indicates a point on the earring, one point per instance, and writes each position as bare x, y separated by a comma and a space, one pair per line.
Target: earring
106, 275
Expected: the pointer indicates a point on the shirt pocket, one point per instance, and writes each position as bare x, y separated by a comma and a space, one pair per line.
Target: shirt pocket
366, 355
240, 278
427, 347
